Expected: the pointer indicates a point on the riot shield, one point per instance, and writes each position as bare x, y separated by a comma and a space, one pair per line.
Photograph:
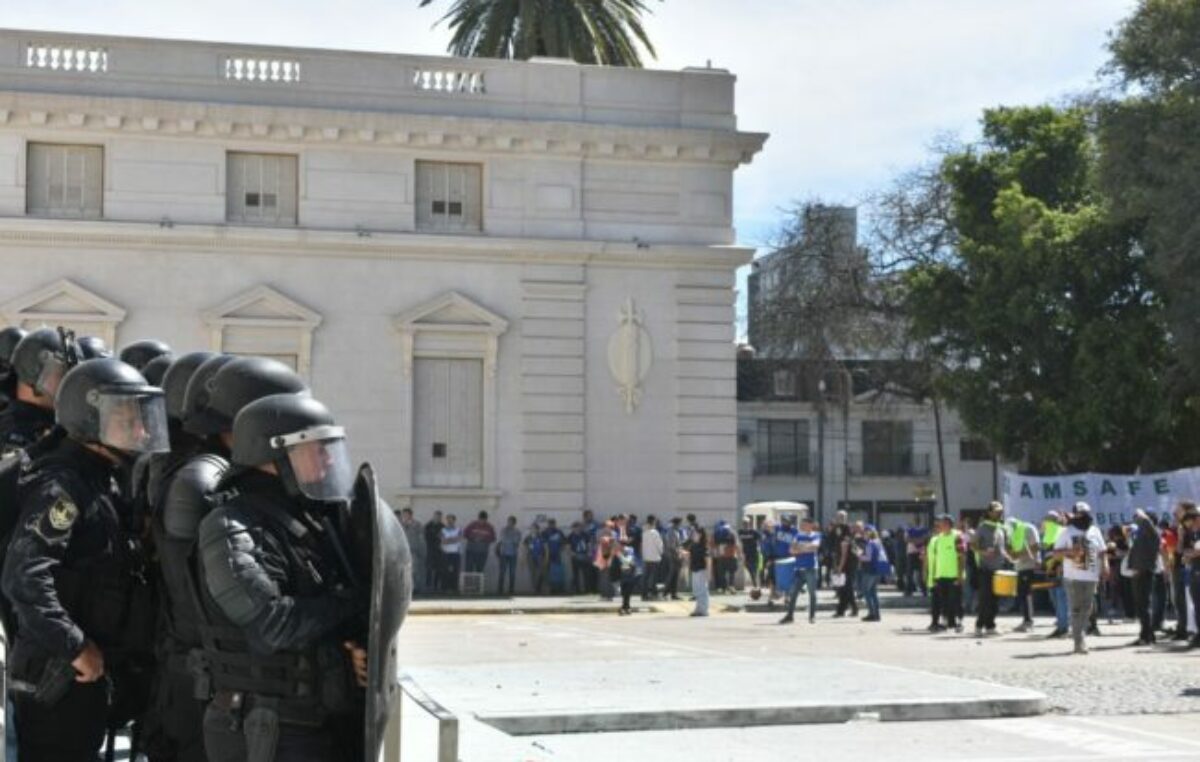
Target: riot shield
383, 554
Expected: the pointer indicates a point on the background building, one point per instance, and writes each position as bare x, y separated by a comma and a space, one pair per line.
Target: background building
838, 435
512, 280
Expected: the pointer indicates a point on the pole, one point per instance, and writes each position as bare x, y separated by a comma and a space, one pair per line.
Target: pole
937, 424
821, 457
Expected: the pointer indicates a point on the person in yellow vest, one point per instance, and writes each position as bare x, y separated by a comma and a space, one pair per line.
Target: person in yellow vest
945, 566
1051, 528
1025, 550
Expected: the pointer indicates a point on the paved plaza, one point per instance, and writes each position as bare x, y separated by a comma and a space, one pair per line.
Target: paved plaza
1097, 705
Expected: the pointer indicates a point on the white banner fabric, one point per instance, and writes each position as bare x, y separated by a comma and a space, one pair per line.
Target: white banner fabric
1113, 497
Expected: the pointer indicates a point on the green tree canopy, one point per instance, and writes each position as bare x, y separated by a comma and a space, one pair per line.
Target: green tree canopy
1051, 339
607, 32
1150, 166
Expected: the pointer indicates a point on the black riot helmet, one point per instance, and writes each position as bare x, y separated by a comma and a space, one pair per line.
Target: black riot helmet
195, 397
156, 369
109, 403
237, 384
140, 353
10, 337
298, 435
40, 360
175, 380
92, 348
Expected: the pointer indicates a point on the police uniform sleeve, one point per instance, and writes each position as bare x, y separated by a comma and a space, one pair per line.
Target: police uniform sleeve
241, 576
38, 547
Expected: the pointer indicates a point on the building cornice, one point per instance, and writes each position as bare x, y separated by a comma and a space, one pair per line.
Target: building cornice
280, 125
336, 244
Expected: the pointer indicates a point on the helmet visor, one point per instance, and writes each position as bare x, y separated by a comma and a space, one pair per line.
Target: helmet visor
133, 422
51, 375
320, 462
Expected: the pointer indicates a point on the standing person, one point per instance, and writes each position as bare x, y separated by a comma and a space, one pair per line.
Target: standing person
1023, 547
915, 540
75, 558
971, 579
1120, 586
415, 534
696, 549
1144, 562
480, 535
591, 528
1190, 545
433, 552
806, 544
749, 538
847, 566
280, 592
9, 338
725, 547
607, 543
1081, 546
624, 571
1055, 524
874, 567
37, 366
537, 557
673, 557
652, 554
452, 545
580, 546
555, 572
1178, 571
945, 569
990, 555
781, 540
506, 553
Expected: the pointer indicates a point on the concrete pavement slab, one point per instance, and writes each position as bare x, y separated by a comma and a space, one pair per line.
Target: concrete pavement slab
588, 696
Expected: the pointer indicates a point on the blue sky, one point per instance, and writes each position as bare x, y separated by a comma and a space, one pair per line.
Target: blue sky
852, 91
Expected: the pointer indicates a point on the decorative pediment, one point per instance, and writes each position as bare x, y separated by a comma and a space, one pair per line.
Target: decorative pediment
62, 301
67, 304
451, 312
262, 306
450, 325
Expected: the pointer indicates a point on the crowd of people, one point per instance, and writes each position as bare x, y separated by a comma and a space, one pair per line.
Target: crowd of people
618, 557
178, 555
1065, 566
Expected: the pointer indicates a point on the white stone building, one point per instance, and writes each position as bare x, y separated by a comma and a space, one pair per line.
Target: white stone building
513, 281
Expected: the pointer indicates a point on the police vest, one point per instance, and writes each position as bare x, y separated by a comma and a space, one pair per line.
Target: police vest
1050, 532
1017, 538
943, 556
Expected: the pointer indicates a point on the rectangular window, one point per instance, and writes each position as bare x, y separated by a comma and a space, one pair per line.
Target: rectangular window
64, 181
261, 188
449, 197
974, 450
887, 448
784, 383
447, 422
782, 448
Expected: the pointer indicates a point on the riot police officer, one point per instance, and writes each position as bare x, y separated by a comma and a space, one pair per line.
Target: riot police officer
9, 338
74, 571
278, 587
140, 353
38, 362
179, 500
157, 368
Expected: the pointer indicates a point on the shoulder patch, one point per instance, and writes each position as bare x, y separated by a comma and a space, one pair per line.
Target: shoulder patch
62, 514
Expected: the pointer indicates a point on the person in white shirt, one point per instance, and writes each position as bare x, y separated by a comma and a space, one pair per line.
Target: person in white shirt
1081, 547
652, 556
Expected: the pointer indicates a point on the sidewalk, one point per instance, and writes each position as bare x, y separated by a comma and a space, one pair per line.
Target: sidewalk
591, 604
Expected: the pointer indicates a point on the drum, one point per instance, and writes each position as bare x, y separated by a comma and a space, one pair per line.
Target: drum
1004, 584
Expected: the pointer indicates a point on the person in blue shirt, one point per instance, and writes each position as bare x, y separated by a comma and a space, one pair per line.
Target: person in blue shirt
874, 567
780, 542
804, 546
580, 545
535, 549
555, 540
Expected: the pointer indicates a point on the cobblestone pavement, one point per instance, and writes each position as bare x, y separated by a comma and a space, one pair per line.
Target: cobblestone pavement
1113, 679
